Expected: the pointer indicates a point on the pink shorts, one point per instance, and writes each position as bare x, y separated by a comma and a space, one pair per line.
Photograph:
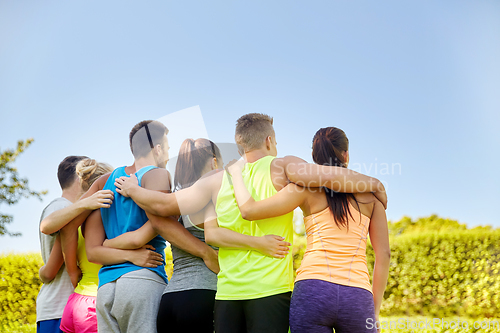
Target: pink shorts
79, 315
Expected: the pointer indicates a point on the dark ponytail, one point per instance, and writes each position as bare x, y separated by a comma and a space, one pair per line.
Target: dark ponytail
329, 144
193, 156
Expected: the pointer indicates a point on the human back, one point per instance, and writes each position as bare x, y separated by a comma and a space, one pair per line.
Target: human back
247, 274
187, 303
122, 216
336, 254
128, 295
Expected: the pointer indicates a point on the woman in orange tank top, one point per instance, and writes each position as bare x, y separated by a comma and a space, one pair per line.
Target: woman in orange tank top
332, 288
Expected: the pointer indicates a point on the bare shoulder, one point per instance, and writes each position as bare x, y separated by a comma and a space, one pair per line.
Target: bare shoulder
214, 174
157, 179
290, 159
101, 181
97, 185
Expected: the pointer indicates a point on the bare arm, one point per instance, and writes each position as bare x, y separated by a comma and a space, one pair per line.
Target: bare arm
168, 227
99, 254
92, 199
184, 202
180, 237
379, 237
69, 245
49, 271
285, 201
133, 239
335, 178
270, 245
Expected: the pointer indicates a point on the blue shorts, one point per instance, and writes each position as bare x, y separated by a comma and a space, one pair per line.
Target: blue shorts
49, 326
318, 306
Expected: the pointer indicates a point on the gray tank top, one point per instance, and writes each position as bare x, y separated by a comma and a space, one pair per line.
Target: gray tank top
190, 272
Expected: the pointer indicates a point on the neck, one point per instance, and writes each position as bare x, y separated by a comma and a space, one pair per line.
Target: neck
144, 162
72, 193
257, 154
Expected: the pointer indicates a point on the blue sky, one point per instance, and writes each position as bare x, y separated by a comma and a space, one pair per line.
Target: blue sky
414, 84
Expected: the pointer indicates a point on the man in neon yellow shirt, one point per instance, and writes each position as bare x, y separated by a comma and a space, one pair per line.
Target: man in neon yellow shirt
253, 289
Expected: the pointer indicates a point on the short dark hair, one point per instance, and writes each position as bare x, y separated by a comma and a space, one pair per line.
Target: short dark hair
66, 172
140, 144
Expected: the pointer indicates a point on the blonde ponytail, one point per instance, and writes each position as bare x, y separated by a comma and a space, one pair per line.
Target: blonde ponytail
88, 170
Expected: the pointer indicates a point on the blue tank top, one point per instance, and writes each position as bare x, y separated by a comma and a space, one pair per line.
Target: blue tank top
123, 216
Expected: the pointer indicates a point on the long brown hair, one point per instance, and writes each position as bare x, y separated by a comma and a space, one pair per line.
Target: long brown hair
329, 144
193, 156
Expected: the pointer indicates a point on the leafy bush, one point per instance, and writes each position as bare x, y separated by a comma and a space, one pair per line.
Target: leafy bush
443, 274
18, 328
19, 286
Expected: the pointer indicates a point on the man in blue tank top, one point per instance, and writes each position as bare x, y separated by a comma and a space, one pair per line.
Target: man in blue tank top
129, 295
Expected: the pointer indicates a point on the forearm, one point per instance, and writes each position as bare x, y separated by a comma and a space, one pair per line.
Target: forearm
103, 255
49, 271
69, 245
58, 219
226, 238
155, 202
347, 181
241, 192
123, 243
244, 199
336, 178
133, 239
380, 275
180, 237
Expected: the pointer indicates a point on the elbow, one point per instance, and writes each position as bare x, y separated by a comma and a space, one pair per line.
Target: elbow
249, 216
136, 244
384, 255
159, 209
91, 256
378, 186
210, 237
246, 213
44, 229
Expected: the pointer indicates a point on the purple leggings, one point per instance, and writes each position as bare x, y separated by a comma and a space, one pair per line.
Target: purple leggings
319, 306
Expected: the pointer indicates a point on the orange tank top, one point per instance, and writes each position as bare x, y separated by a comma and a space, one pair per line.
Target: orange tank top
333, 254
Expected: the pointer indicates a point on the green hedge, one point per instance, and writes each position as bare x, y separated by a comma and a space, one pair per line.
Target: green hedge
432, 274
444, 274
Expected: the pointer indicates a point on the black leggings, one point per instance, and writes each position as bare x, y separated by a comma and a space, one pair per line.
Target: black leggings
186, 311
261, 315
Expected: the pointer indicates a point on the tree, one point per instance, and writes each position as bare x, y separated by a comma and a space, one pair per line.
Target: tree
13, 188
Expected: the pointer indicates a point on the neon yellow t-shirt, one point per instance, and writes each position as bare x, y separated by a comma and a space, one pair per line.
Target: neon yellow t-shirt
88, 284
246, 274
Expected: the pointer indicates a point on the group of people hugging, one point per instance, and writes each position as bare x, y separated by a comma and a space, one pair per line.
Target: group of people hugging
231, 230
